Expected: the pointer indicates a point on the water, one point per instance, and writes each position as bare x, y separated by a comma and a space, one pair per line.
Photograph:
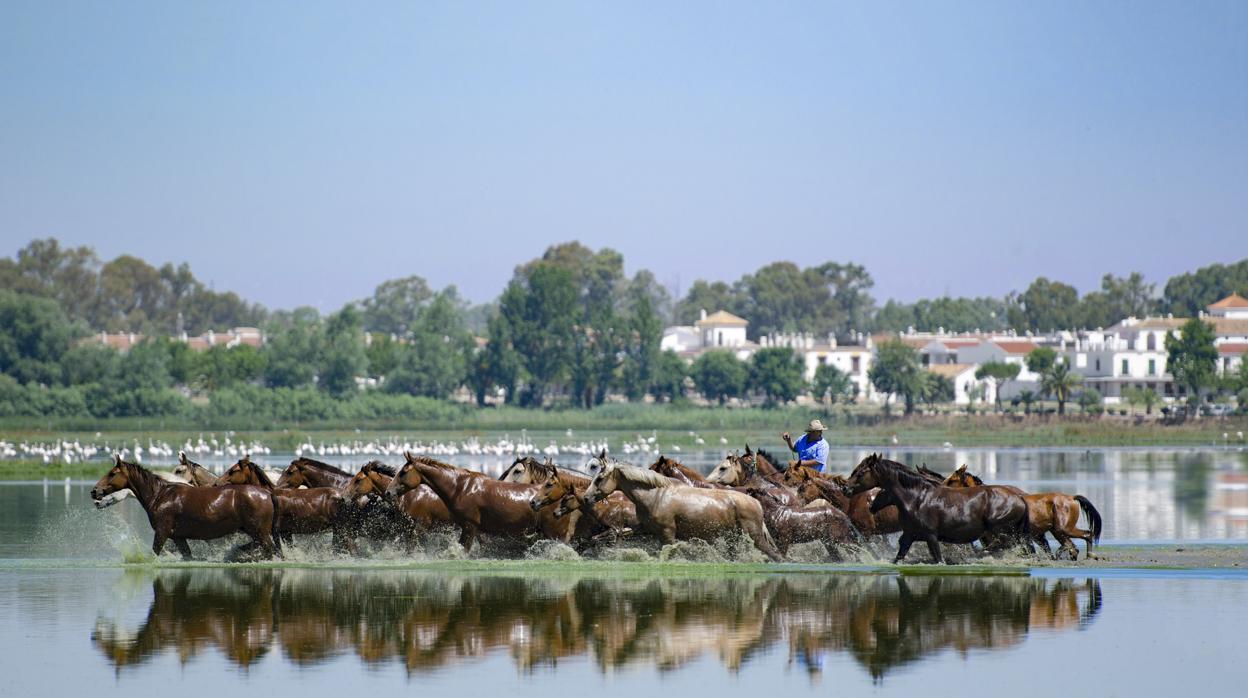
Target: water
73, 619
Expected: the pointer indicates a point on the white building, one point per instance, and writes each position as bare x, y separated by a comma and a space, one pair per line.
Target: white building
1006, 351
964, 383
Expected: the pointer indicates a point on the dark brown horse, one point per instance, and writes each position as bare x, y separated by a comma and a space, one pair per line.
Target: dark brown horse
934, 513
419, 504
827, 524
1047, 512
185, 512
305, 472
480, 504
304, 511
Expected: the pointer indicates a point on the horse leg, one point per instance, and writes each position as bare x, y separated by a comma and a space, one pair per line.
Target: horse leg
761, 538
1043, 542
467, 536
903, 547
1064, 544
183, 547
933, 547
158, 541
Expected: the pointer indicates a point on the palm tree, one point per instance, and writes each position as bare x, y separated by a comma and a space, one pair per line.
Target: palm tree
1027, 397
1058, 381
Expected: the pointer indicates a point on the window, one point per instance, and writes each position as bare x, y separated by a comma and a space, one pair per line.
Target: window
1152, 342
855, 366
1152, 365
1126, 367
1098, 365
720, 341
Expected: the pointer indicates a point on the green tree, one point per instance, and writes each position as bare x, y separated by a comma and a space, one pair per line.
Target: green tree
668, 382
935, 389
1026, 398
498, 365
383, 354
832, 384
435, 363
541, 314
709, 296
1142, 397
1059, 381
897, 371
1192, 358
642, 347
1119, 298
343, 357
1040, 359
396, 305
1000, 373
777, 373
719, 375
34, 336
219, 367
1186, 295
1045, 306
294, 349
1090, 401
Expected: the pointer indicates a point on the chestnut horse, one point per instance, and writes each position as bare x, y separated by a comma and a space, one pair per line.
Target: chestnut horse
305, 472
1048, 512
565, 488
480, 504
185, 512
419, 504
304, 511
674, 511
813, 485
827, 524
934, 513
680, 473
738, 472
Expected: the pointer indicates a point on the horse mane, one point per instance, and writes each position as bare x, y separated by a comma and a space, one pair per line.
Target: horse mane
262, 476
148, 477
378, 466
643, 476
761, 453
324, 466
903, 474
426, 460
931, 474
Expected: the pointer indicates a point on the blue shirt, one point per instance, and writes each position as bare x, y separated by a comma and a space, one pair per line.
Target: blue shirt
812, 450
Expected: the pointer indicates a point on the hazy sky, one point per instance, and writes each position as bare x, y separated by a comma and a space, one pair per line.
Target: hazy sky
301, 153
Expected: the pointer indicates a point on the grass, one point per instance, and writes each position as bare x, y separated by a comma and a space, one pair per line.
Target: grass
38, 470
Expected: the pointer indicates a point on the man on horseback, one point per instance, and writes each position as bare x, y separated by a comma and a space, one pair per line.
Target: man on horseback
811, 448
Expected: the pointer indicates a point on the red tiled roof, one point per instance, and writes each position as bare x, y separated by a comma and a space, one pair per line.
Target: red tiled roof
959, 343
1232, 301
1017, 347
1233, 348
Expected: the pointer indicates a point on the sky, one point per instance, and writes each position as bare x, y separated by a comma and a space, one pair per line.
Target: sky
301, 153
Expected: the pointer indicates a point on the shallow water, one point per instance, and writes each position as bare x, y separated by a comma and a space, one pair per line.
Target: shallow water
73, 619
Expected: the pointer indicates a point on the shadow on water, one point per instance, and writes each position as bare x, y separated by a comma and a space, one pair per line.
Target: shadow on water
426, 621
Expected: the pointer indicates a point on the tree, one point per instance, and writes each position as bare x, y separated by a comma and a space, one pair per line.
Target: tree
949, 314
936, 389
1090, 401
1027, 398
34, 336
1186, 295
294, 349
1045, 306
645, 331
395, 305
434, 363
897, 371
777, 372
541, 313
708, 296
343, 358
1192, 357
668, 381
1000, 373
1142, 397
832, 384
1040, 359
1118, 298
220, 367
719, 375
1058, 381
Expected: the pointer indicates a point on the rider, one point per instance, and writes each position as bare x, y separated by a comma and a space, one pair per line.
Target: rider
811, 449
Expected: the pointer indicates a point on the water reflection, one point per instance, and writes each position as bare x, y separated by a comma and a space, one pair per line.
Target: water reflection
427, 621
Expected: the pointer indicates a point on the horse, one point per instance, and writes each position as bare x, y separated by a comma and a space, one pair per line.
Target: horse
1048, 512
480, 504
191, 472
305, 472
680, 473
788, 525
564, 488
310, 510
835, 490
421, 507
936, 514
185, 512
525, 470
738, 472
674, 511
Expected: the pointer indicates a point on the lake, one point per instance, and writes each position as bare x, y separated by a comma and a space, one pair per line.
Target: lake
74, 619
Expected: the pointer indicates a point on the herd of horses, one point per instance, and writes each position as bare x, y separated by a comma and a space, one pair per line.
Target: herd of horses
748, 494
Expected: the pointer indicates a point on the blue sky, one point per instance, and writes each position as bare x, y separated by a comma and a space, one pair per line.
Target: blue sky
301, 153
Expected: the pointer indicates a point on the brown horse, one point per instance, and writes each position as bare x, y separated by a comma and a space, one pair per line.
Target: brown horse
185, 512
304, 511
739, 472
835, 490
935, 514
827, 524
305, 472
193, 472
419, 504
685, 475
565, 488
480, 504
1048, 512
673, 511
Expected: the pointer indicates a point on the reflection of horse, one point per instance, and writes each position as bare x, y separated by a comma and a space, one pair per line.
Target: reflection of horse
1048, 512
310, 510
673, 511
935, 514
429, 620
186, 512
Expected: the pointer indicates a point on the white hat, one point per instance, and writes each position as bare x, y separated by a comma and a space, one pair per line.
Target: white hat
815, 425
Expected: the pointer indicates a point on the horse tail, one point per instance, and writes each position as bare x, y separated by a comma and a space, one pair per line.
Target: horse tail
1094, 516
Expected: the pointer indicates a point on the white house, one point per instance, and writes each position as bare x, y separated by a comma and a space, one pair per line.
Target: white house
854, 360
1006, 351
964, 383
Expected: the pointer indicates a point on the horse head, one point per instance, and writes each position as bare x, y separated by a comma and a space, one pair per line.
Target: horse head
117, 478
730, 471
550, 491
864, 476
603, 484
293, 476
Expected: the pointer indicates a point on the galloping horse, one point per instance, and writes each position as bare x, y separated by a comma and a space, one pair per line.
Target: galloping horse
193, 472
185, 512
310, 510
680, 473
811, 486
419, 504
738, 472
525, 470
788, 525
674, 511
305, 472
565, 488
1048, 512
480, 504
934, 513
